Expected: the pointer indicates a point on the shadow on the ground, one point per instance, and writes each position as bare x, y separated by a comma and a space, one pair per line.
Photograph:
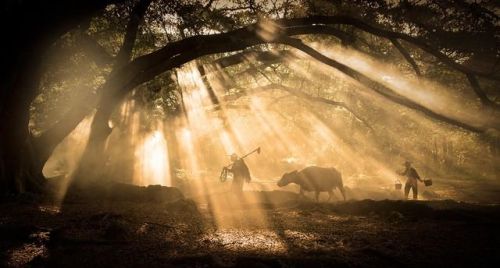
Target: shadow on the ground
178, 232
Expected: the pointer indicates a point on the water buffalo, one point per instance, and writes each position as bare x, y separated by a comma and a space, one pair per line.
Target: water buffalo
315, 179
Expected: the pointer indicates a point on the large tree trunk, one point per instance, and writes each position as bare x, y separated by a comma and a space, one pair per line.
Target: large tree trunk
92, 166
93, 161
31, 28
94, 158
19, 84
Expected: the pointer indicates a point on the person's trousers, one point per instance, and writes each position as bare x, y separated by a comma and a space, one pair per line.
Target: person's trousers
411, 184
237, 186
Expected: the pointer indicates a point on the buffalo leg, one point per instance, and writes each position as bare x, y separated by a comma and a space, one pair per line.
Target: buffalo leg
342, 191
330, 195
316, 196
301, 193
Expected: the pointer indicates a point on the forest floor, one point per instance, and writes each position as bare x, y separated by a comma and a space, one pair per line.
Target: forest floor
256, 229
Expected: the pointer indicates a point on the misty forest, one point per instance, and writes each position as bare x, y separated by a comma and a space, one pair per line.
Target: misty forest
257, 133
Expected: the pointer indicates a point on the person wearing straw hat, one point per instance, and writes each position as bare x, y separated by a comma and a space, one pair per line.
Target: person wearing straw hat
412, 179
241, 173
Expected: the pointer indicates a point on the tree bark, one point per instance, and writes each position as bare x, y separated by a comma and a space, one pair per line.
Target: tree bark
33, 26
15, 146
94, 158
146, 67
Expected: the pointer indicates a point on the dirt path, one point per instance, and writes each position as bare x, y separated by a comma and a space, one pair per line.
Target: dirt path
273, 234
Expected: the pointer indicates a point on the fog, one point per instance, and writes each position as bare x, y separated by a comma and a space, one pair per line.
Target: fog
367, 139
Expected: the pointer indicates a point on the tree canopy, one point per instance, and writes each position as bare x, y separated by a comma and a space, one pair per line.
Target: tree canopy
67, 61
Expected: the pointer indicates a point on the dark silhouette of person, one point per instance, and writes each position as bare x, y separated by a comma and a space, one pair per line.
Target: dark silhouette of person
412, 179
241, 173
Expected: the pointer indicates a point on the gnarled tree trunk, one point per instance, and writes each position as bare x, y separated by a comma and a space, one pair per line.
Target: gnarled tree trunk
31, 28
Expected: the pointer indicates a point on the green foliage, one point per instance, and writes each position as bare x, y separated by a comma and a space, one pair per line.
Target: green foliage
463, 31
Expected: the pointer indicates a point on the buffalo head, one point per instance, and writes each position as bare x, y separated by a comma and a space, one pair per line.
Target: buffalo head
287, 178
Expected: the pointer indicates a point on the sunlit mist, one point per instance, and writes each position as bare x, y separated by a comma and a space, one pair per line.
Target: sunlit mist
281, 133
220, 118
152, 166
65, 158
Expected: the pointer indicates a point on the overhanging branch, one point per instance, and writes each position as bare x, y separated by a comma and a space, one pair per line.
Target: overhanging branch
136, 16
315, 20
194, 47
345, 20
49, 139
95, 50
177, 53
407, 56
377, 87
480, 93
300, 94
250, 56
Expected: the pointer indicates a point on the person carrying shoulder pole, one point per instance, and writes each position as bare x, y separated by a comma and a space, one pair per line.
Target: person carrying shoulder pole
412, 179
240, 171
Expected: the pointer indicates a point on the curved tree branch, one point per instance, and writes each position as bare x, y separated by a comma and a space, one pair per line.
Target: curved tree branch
300, 94
479, 92
238, 58
345, 20
346, 38
136, 17
95, 50
407, 56
175, 54
49, 139
314, 20
379, 88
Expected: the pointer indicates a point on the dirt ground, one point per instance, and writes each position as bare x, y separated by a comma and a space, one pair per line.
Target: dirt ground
257, 229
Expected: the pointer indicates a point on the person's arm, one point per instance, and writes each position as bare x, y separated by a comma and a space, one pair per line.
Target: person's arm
234, 166
229, 168
417, 176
